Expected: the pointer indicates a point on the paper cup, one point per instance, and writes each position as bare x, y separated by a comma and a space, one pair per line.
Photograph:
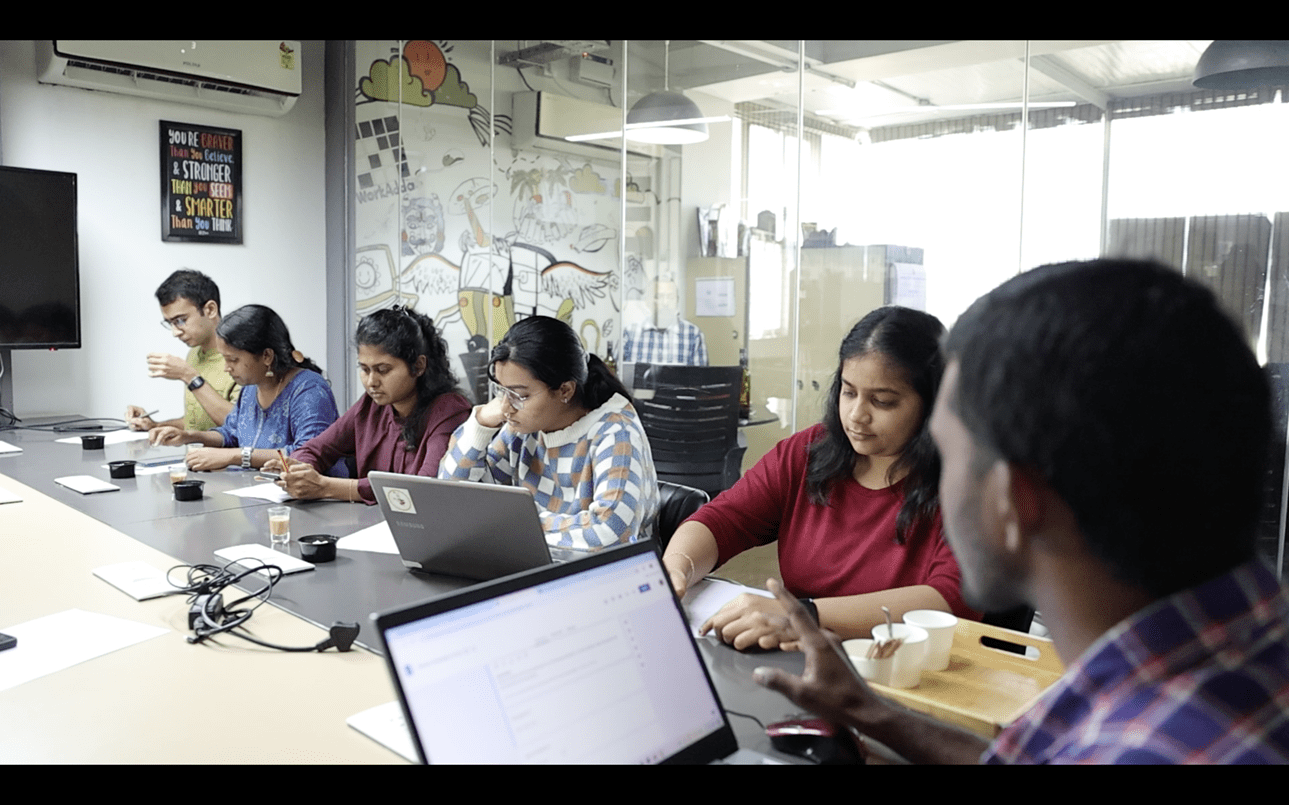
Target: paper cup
878, 671
940, 627
907, 671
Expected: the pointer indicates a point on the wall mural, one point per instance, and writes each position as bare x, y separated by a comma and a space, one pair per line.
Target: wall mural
472, 244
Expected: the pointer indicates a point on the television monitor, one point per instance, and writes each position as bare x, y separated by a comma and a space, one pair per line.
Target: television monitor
40, 307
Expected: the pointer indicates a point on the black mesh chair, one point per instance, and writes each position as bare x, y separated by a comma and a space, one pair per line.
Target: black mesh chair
675, 503
690, 414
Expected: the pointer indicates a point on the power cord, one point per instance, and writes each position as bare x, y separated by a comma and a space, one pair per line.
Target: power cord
208, 615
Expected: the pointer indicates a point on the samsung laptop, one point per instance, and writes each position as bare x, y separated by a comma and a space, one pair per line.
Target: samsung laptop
584, 662
460, 528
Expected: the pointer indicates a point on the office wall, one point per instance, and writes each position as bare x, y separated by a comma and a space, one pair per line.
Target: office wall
111, 142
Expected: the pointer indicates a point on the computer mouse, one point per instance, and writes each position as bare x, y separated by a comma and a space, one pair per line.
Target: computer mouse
815, 740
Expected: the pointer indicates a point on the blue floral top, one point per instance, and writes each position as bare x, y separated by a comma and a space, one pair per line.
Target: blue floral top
301, 411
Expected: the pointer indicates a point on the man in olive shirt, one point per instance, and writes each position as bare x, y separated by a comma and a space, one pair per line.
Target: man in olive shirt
190, 310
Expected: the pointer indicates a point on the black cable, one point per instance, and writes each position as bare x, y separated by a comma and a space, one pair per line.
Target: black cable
747, 715
209, 616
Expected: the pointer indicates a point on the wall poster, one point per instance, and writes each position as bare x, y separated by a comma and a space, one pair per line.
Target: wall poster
201, 183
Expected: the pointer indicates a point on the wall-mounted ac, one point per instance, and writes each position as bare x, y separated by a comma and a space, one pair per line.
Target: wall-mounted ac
252, 77
543, 121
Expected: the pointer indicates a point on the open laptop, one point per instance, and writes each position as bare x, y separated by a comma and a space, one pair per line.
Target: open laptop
585, 662
478, 531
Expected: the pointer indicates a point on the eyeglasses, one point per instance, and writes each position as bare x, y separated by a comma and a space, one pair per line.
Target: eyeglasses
516, 402
177, 323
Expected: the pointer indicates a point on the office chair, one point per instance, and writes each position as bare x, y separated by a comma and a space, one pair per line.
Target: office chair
690, 414
675, 503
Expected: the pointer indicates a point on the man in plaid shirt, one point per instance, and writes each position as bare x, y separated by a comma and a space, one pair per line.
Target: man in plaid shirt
1104, 430
672, 340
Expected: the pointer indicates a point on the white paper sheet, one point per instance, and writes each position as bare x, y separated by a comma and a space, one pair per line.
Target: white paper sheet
384, 724
86, 484
139, 580
143, 469
255, 554
6, 448
270, 492
376, 538
706, 598
9, 497
64, 639
115, 437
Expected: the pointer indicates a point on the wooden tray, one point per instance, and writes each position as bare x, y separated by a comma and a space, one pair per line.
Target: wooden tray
984, 689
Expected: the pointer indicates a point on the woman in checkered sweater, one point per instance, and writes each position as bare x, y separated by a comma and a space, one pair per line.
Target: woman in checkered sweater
561, 425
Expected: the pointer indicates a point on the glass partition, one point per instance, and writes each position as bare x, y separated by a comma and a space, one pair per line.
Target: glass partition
492, 181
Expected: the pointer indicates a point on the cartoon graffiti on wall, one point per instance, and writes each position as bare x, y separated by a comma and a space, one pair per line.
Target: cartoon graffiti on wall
430, 225
422, 76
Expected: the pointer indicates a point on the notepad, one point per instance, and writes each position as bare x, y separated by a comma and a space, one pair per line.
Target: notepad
86, 484
139, 580
263, 553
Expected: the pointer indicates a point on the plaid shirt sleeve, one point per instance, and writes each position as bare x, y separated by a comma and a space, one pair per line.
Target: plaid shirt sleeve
476, 453
624, 499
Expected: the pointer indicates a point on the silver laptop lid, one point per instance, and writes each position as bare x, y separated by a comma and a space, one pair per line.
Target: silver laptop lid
459, 528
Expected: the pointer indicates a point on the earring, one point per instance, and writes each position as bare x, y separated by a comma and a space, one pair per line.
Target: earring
269, 373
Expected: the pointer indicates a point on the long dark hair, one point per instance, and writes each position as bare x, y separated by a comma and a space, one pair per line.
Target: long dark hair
405, 334
911, 340
255, 328
551, 352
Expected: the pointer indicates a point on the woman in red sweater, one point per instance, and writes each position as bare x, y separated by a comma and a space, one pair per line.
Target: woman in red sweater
853, 501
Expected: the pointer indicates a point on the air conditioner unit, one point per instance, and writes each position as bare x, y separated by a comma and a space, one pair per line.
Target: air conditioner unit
252, 77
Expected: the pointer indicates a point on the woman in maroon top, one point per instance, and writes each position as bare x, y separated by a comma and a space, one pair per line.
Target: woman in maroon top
403, 422
852, 501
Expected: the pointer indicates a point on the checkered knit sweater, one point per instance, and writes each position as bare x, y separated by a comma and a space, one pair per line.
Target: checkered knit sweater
594, 481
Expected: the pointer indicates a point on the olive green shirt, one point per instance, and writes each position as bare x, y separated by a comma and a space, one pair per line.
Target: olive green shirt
210, 365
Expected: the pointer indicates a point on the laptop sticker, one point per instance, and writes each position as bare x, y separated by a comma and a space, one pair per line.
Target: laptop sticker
399, 500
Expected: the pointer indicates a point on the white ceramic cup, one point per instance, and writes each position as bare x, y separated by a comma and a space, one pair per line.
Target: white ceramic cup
907, 671
940, 626
878, 671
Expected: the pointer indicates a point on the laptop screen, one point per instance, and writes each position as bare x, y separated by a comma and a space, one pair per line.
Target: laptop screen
595, 665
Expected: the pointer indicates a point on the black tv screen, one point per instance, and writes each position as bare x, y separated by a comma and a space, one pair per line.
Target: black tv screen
40, 304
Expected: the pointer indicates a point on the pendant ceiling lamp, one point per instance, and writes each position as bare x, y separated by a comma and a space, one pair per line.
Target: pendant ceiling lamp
667, 118
1243, 63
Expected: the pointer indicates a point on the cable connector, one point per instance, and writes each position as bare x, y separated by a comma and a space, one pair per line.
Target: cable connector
342, 637
212, 604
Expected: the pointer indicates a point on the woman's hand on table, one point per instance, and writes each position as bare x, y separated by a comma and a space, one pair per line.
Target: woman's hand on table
301, 480
206, 459
166, 435
828, 687
752, 620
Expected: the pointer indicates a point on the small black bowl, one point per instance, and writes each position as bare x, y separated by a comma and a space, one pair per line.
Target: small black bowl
188, 490
93, 441
121, 469
318, 548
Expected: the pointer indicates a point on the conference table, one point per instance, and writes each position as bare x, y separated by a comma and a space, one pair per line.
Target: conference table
224, 700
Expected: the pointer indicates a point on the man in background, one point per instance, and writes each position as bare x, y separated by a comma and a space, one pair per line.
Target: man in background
668, 338
1104, 430
190, 311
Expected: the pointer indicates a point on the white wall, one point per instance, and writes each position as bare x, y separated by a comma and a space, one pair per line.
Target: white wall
111, 142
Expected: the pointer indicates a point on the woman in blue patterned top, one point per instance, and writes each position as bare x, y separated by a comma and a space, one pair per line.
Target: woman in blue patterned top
284, 403
561, 425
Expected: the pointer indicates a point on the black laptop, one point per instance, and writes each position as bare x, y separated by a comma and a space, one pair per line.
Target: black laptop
585, 662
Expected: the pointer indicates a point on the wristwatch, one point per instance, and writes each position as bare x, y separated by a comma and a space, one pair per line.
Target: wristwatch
197, 382
811, 607
246, 458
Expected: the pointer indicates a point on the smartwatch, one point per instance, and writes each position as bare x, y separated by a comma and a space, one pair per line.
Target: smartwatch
811, 607
197, 382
